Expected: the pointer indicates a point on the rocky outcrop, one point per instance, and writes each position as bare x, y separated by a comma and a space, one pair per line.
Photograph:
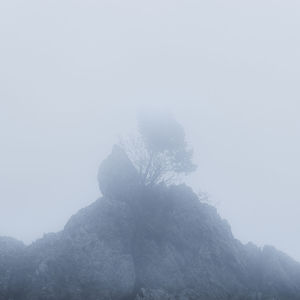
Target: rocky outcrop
117, 177
139, 243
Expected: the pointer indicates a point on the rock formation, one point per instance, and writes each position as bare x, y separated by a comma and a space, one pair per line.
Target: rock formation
139, 243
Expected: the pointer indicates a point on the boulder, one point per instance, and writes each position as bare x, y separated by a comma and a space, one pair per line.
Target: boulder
117, 177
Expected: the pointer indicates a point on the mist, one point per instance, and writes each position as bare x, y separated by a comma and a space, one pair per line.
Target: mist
74, 74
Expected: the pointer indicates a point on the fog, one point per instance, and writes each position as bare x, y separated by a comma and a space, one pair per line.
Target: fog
73, 75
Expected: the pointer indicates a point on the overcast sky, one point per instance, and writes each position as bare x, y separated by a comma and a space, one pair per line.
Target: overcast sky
74, 73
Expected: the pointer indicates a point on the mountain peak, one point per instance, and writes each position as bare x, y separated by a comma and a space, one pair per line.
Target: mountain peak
139, 242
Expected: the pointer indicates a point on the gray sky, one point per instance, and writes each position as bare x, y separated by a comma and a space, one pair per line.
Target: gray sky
73, 74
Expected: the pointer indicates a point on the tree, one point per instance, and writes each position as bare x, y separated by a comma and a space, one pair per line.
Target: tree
159, 152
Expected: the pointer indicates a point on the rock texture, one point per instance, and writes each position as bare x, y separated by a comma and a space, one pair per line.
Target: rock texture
139, 243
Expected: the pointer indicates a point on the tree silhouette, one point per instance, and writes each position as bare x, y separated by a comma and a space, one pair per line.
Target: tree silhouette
159, 152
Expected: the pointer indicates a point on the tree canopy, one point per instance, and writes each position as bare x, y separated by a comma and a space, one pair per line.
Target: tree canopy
160, 151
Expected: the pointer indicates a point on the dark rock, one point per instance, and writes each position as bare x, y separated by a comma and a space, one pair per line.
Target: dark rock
11, 254
148, 294
117, 176
144, 243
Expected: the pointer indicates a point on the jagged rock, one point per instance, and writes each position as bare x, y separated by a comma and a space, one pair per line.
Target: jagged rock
11, 253
280, 272
144, 243
89, 260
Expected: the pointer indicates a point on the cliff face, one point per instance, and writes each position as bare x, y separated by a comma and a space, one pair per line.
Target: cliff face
138, 243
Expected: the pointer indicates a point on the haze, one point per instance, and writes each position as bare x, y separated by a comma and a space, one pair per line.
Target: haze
74, 73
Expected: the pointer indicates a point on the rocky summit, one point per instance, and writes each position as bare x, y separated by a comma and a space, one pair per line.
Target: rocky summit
137, 243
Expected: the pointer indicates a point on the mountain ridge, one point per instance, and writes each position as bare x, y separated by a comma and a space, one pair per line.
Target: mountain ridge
140, 242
